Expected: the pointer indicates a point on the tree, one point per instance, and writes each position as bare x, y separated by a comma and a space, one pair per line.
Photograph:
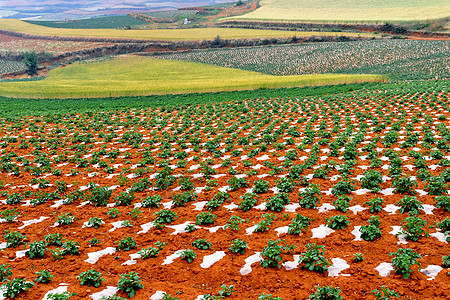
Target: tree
30, 60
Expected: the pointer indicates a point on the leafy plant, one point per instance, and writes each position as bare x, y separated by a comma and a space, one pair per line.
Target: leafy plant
277, 202
129, 283
263, 225
337, 222
404, 185
71, 248
91, 278
260, 186
37, 249
202, 244
225, 291
65, 219
236, 183
5, 272
14, 239
268, 297
413, 228
238, 246
248, 201
299, 224
372, 180
95, 222
9, 215
44, 276
314, 258
309, 198
436, 185
271, 254
164, 216
375, 204
16, 286
403, 260
126, 244
443, 202
113, 213
410, 204
384, 293
233, 222
358, 257
188, 255
53, 239
326, 293
343, 187
60, 296
372, 231
205, 218
342, 203
151, 201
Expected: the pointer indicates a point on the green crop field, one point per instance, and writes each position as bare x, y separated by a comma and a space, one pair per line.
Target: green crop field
100, 23
158, 34
143, 76
400, 59
350, 10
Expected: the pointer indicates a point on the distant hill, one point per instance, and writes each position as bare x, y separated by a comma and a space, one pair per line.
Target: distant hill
69, 9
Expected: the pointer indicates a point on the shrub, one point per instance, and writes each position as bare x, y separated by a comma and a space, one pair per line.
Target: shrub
326, 293
16, 286
129, 283
91, 278
299, 224
375, 204
337, 222
44, 276
188, 255
410, 205
271, 254
238, 246
126, 244
314, 258
403, 260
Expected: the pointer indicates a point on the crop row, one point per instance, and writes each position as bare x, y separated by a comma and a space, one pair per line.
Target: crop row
94, 23
7, 66
401, 59
235, 193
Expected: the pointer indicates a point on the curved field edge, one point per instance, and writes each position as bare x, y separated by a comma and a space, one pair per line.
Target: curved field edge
349, 11
144, 76
161, 34
17, 107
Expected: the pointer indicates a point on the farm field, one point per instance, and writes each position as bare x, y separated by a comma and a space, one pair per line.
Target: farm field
234, 197
142, 76
399, 59
371, 11
16, 44
160, 34
102, 22
7, 66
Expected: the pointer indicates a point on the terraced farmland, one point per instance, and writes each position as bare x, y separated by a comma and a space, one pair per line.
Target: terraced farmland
232, 198
7, 66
